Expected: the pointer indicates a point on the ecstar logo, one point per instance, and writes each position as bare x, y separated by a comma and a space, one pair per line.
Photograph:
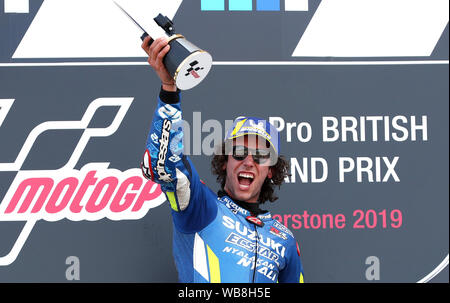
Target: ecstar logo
92, 193
253, 235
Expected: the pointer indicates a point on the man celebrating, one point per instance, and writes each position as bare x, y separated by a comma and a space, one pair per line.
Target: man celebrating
223, 237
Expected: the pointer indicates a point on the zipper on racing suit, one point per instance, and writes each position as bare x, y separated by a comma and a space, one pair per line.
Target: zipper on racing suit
256, 253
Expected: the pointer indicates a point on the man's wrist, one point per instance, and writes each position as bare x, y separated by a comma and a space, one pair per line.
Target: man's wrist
169, 87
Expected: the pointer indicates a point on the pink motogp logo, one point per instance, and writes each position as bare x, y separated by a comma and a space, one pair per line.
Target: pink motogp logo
92, 193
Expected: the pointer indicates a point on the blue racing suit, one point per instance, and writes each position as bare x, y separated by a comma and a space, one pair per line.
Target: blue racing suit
214, 240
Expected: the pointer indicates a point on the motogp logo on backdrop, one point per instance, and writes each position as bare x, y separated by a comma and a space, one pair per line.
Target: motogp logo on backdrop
91, 193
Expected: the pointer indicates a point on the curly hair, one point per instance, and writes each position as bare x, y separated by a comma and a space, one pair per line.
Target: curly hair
280, 170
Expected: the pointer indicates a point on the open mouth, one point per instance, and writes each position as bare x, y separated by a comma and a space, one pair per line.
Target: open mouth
245, 179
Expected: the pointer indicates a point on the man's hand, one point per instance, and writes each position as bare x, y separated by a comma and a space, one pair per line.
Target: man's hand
156, 52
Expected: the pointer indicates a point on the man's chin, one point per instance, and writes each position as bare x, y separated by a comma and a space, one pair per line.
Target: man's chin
242, 194
245, 196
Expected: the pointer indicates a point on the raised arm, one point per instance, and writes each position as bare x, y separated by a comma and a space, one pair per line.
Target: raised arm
164, 161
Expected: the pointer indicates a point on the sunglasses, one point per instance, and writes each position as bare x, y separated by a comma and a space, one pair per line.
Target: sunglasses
259, 155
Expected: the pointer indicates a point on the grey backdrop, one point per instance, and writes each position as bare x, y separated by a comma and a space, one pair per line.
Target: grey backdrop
140, 250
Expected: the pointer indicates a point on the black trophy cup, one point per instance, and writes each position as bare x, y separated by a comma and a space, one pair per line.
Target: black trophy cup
186, 63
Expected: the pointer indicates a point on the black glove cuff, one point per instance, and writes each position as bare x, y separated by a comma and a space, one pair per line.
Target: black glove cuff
169, 97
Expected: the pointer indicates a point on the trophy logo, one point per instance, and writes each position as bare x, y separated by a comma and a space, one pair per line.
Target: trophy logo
193, 71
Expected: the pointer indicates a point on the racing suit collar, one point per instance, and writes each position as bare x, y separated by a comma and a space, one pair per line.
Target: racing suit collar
252, 208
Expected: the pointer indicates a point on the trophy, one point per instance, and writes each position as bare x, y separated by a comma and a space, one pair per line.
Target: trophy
185, 62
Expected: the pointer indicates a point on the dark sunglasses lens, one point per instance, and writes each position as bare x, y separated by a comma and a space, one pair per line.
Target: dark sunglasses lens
261, 157
239, 158
240, 152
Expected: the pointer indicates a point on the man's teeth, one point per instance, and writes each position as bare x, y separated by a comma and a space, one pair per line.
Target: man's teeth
244, 175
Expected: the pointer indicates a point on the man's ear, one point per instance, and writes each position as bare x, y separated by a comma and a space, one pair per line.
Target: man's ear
269, 173
224, 166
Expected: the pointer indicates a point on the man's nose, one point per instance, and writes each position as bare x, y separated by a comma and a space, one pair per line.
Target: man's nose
248, 161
